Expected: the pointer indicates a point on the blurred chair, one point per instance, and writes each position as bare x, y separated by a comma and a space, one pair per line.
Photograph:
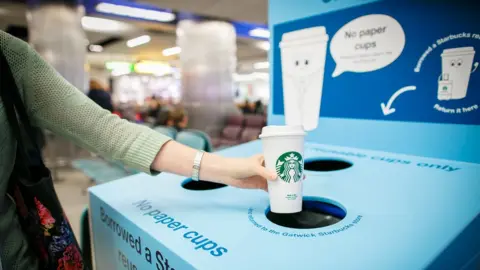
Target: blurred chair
160, 119
99, 171
120, 165
129, 114
253, 127
206, 137
162, 116
191, 139
231, 132
168, 131
147, 124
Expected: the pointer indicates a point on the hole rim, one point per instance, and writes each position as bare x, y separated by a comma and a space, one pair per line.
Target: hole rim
190, 180
313, 159
317, 199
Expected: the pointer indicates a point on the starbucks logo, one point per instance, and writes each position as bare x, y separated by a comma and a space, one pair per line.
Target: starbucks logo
290, 167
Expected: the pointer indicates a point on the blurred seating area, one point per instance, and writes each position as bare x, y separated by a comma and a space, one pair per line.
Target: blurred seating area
240, 129
154, 111
256, 107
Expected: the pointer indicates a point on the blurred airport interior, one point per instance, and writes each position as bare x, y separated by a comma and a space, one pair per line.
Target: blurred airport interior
196, 70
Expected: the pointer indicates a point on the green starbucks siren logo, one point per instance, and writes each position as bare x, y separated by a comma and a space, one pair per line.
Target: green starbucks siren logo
290, 167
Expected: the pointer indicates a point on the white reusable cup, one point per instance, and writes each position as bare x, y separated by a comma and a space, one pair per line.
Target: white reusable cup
283, 152
303, 63
457, 63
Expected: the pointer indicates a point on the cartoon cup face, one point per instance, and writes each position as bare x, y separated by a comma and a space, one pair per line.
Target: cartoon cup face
457, 63
303, 62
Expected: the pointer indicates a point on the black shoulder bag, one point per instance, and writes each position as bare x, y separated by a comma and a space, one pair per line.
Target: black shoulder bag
40, 212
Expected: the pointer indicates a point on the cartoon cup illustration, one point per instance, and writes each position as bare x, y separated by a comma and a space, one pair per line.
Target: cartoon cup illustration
445, 87
456, 68
283, 152
303, 63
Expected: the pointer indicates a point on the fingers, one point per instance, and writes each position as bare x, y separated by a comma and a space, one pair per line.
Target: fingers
261, 170
261, 185
265, 173
259, 159
255, 183
264, 188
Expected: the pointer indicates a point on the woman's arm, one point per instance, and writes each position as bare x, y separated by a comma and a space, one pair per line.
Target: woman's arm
55, 104
241, 172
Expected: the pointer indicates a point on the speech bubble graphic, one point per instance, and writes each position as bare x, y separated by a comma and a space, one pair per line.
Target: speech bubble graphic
367, 43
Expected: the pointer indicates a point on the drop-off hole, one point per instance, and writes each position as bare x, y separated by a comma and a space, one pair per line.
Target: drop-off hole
326, 165
315, 214
200, 185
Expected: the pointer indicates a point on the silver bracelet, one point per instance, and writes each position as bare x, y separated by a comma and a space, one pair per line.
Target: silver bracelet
196, 165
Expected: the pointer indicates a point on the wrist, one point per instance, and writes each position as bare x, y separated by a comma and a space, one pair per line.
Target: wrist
179, 159
215, 168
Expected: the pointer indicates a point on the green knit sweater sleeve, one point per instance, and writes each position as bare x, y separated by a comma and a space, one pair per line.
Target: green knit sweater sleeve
56, 105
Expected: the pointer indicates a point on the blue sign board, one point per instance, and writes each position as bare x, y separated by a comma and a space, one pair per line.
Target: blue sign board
404, 61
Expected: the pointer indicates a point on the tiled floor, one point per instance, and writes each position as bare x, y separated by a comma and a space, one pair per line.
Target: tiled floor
70, 190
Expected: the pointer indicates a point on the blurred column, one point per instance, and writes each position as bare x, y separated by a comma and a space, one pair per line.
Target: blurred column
208, 61
56, 32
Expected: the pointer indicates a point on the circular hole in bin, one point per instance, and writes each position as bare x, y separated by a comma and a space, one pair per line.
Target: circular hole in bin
200, 185
316, 213
326, 165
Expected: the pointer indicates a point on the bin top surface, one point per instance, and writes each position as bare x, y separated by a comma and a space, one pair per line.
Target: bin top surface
402, 211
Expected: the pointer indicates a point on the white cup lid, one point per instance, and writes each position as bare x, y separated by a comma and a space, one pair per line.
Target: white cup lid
458, 51
275, 131
308, 33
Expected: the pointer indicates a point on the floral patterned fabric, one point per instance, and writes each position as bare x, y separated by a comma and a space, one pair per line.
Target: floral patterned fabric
62, 249
51, 237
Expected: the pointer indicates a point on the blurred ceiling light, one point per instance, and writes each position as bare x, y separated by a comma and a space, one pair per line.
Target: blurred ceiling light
140, 13
95, 48
264, 45
250, 77
120, 72
119, 65
94, 24
134, 42
3, 11
171, 51
261, 65
259, 32
153, 67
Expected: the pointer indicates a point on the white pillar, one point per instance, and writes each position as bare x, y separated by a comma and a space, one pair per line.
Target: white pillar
56, 32
208, 61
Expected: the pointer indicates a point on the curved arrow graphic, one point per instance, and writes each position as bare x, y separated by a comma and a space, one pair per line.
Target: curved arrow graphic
387, 109
475, 66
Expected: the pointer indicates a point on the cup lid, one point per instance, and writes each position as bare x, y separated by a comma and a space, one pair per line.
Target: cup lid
458, 51
274, 131
313, 32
